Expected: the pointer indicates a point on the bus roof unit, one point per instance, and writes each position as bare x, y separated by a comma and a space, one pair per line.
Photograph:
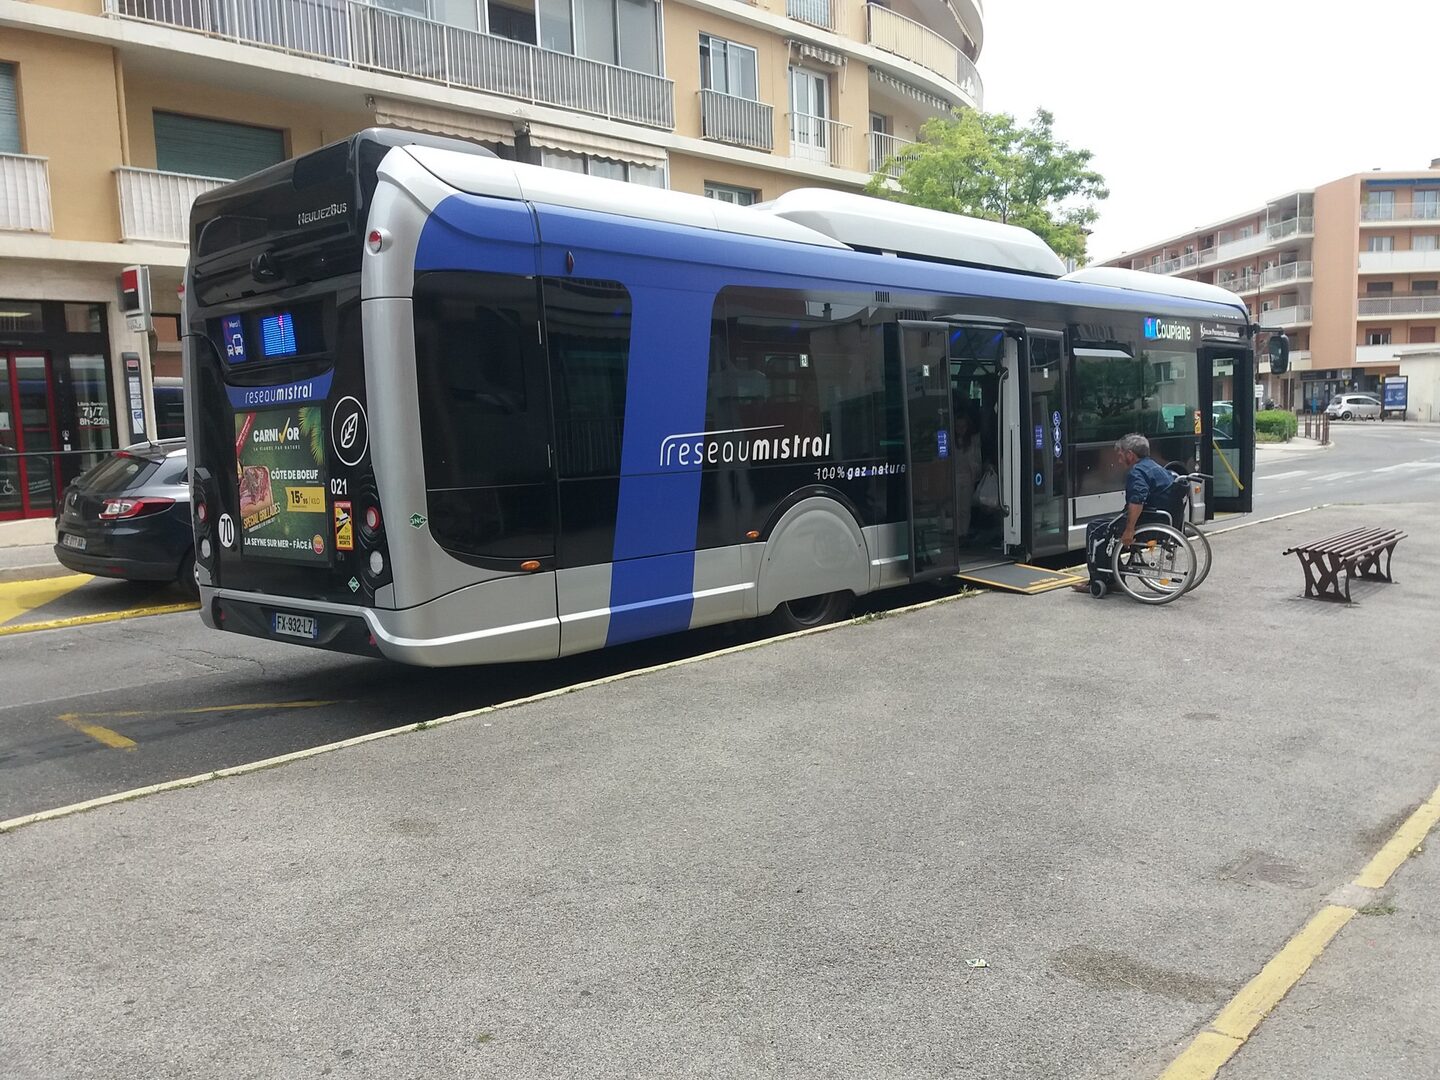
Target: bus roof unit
861, 221
1115, 277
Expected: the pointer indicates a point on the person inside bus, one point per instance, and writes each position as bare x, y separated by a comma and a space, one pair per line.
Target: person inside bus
967, 467
1147, 487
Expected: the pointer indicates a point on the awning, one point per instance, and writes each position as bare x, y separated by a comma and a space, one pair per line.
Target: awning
413, 116
939, 104
811, 51
552, 137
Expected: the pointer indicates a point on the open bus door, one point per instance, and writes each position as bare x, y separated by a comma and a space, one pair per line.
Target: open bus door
929, 468
1227, 427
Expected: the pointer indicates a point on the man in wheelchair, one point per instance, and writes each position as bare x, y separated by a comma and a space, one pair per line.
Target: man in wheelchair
1150, 489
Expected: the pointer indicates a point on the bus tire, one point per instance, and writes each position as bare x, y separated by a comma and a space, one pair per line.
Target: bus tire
809, 612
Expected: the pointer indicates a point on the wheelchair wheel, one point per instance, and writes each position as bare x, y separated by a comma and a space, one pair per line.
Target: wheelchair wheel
1098, 589
1157, 568
1201, 544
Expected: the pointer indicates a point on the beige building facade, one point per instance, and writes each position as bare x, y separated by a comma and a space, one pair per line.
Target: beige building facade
1349, 270
116, 114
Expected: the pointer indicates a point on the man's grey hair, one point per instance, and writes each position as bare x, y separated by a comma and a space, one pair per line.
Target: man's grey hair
1136, 444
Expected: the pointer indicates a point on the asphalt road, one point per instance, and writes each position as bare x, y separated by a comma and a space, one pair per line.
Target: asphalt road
1368, 462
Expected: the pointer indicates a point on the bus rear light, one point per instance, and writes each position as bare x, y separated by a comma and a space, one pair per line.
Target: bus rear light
205, 549
376, 241
202, 512
377, 563
124, 509
372, 518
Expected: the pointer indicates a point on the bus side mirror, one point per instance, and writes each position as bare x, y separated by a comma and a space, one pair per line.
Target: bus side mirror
1279, 354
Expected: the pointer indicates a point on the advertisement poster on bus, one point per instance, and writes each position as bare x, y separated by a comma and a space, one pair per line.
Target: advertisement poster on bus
280, 465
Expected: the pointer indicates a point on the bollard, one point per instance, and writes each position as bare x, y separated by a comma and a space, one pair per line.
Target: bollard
1325, 429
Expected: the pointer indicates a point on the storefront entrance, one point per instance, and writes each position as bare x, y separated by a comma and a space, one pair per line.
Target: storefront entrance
56, 414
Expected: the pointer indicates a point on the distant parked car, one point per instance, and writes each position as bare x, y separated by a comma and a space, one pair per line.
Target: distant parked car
129, 517
1353, 407
1222, 417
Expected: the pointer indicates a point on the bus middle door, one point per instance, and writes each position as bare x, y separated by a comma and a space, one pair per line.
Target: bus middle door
929, 466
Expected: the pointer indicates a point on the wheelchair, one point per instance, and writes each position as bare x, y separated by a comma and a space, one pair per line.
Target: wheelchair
1163, 563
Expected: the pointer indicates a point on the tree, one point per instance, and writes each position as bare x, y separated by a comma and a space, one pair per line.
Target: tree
987, 165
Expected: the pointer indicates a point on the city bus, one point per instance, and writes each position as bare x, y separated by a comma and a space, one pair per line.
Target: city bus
448, 409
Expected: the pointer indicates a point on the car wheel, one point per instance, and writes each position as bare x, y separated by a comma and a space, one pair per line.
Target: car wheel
186, 578
1346, 416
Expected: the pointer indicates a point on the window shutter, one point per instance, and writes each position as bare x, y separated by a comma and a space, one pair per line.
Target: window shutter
186, 144
9, 112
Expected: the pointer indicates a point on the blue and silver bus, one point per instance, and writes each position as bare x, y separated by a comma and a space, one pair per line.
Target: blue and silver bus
450, 409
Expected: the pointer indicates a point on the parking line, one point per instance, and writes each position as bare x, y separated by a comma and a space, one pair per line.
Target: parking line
98, 617
1237, 1021
18, 597
112, 739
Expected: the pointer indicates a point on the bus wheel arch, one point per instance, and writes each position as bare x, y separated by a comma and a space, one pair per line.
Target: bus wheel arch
815, 550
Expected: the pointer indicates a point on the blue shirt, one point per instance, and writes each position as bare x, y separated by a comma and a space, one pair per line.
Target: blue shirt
1148, 484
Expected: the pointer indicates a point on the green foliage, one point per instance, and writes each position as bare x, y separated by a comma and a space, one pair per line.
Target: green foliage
990, 166
1280, 423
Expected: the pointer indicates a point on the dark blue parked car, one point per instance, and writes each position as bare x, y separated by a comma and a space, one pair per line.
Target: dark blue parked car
129, 517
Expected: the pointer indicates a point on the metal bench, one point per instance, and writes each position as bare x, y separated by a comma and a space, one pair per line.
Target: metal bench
1356, 552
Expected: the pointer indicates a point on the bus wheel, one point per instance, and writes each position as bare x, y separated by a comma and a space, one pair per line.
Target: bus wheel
792, 615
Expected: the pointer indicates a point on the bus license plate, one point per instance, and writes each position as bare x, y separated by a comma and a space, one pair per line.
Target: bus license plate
70, 540
301, 626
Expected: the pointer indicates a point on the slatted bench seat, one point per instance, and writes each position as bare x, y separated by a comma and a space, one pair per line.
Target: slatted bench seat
1356, 552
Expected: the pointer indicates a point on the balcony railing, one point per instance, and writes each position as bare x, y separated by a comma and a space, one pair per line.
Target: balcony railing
883, 147
736, 120
1296, 226
826, 14
1398, 261
24, 194
1287, 316
1400, 305
1241, 284
155, 206
905, 37
814, 138
1278, 275
1411, 212
362, 35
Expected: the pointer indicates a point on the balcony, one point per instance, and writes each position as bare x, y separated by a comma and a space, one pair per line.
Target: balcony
155, 206
883, 147
814, 138
24, 194
1242, 283
906, 38
1276, 318
1285, 272
371, 38
1399, 305
1421, 212
736, 120
826, 14
1392, 262
1296, 226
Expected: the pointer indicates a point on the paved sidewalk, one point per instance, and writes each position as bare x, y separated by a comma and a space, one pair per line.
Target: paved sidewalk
27, 550
966, 841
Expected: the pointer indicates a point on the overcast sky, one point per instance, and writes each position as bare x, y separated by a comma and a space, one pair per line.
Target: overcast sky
1197, 109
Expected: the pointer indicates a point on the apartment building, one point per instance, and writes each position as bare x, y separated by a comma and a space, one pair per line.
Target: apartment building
115, 114
1349, 271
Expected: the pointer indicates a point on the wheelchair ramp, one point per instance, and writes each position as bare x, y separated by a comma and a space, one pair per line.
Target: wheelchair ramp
1019, 577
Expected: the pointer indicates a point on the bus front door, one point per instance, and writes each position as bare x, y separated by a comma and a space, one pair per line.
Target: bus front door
929, 463
1227, 447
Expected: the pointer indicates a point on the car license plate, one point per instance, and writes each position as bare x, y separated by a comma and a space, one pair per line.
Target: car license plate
301, 626
70, 540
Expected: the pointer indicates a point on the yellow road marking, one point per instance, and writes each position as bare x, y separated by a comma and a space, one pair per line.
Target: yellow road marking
1235, 1023
1406, 839
112, 739
18, 597
98, 617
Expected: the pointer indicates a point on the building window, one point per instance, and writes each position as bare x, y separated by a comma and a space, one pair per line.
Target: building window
1377, 337
1427, 287
1427, 204
739, 196
728, 68
512, 23
1380, 205
1246, 231
189, 144
1382, 243
608, 168
1379, 288
1422, 335
21, 317
1423, 242
809, 113
9, 111
621, 32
